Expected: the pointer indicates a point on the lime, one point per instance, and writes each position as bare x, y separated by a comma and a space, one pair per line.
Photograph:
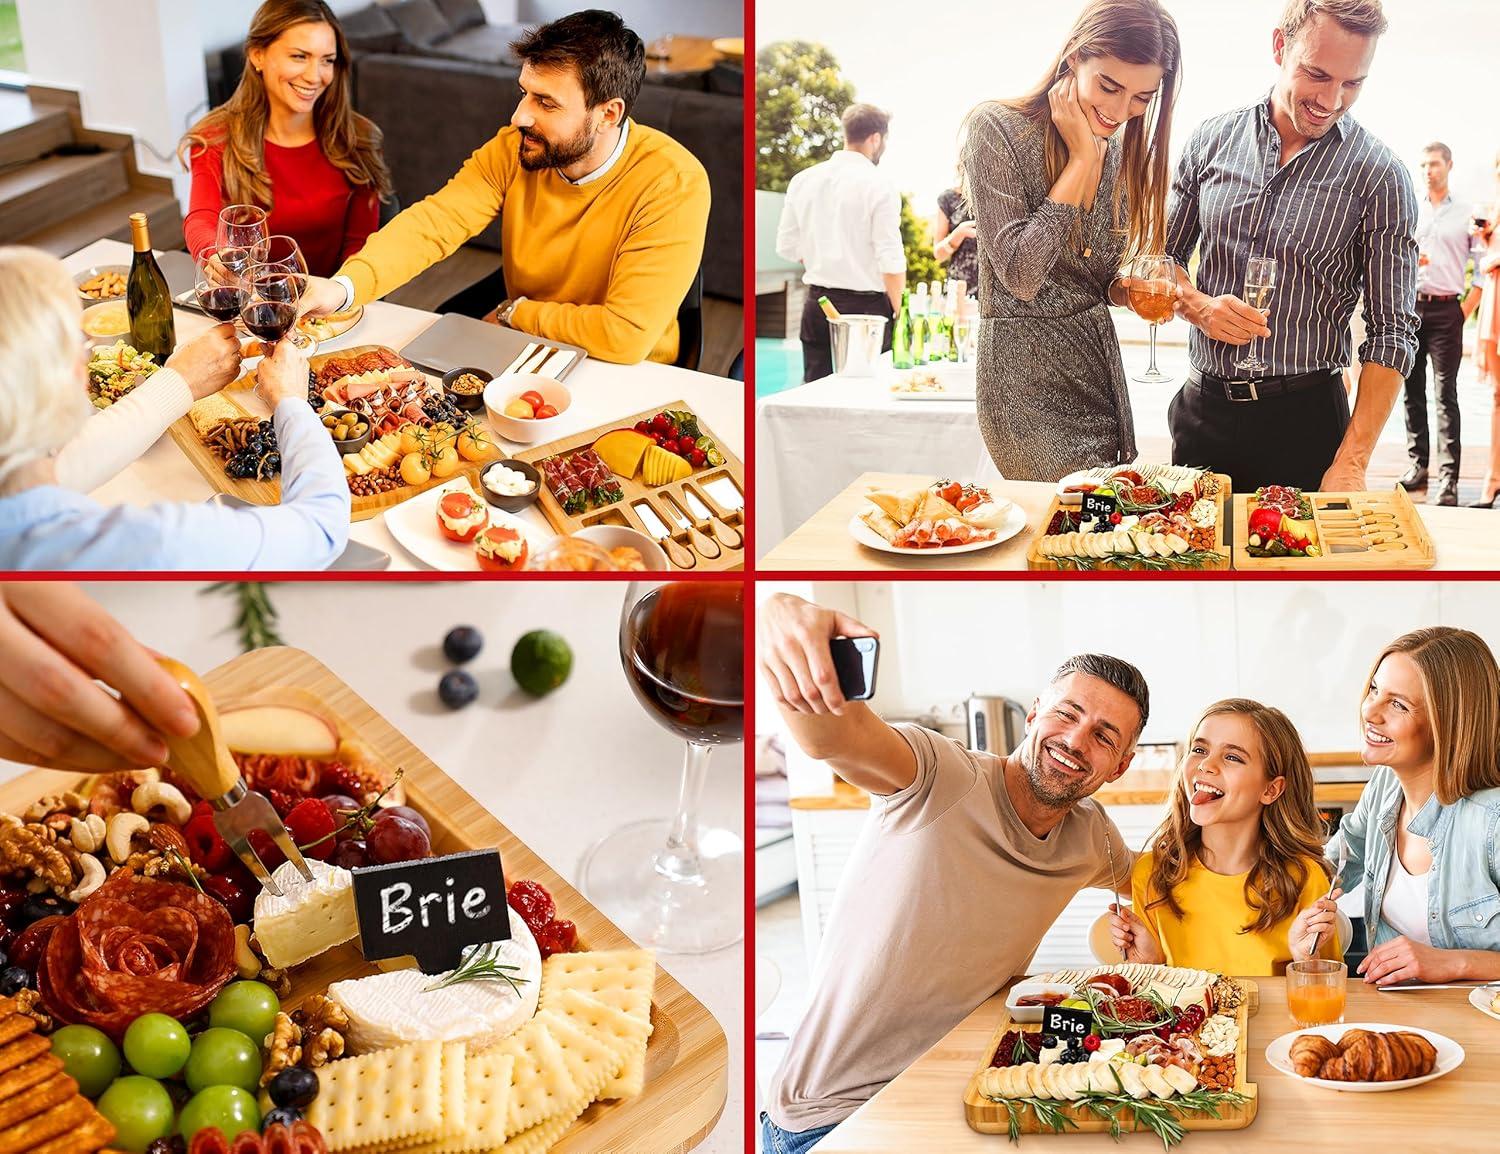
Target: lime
540, 662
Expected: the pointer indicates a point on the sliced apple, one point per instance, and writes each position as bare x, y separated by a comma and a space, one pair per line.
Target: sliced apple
278, 729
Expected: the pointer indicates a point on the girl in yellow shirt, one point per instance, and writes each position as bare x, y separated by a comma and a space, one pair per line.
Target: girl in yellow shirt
1239, 855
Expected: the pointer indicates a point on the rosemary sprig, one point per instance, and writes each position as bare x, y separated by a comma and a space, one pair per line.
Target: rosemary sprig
257, 617
1050, 1114
187, 869
1192, 559
1020, 1051
1163, 1117
482, 962
1109, 1024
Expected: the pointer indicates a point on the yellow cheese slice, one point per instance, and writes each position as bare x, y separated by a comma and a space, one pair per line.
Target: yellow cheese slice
622, 450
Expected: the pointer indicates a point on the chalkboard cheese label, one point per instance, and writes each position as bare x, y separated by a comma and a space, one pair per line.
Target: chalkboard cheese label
432, 909
1067, 1022
1100, 507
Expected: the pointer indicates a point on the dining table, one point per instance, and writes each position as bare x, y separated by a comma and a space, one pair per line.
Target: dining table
1463, 539
922, 1107
602, 392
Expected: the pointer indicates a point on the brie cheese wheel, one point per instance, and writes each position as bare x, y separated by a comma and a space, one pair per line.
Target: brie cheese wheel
309, 917
398, 1007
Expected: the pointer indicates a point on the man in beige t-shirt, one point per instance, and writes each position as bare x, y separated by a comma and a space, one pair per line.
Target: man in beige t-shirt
966, 861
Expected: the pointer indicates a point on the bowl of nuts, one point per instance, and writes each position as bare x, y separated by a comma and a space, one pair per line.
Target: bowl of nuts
350, 431
466, 387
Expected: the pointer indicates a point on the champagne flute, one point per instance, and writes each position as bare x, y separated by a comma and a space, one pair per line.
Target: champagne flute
1153, 296
221, 288
1260, 285
676, 885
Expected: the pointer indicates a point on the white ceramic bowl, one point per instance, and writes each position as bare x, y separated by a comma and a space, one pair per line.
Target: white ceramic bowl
93, 271
506, 388
614, 536
114, 308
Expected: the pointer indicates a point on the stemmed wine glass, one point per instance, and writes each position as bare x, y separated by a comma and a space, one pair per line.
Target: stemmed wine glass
222, 289
284, 254
241, 227
270, 310
677, 885
1260, 285
1153, 296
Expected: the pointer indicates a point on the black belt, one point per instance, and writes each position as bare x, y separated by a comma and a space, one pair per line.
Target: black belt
1261, 390
1449, 298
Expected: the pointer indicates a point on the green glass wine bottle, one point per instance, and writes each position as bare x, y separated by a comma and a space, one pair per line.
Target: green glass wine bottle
147, 298
901, 337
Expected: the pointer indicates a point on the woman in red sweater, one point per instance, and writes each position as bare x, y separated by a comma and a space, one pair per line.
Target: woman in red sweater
290, 141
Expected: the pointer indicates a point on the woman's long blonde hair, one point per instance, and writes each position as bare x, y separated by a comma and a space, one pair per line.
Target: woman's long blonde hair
1462, 684
1137, 32
350, 141
1291, 833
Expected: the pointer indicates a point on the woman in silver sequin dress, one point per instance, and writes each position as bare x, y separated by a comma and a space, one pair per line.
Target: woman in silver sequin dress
1067, 184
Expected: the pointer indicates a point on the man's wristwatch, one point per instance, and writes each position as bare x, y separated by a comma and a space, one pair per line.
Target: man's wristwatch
504, 309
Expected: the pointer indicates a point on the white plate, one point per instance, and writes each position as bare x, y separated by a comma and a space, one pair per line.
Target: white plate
1480, 997
414, 525
945, 395
1450, 1056
1014, 522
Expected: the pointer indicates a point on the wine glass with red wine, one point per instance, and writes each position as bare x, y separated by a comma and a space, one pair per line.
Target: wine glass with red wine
221, 286
1153, 298
281, 255
271, 309
676, 884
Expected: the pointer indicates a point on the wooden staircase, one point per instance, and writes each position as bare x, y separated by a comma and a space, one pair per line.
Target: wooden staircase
63, 186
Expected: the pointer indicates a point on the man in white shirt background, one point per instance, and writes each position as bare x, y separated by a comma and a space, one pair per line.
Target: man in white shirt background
1445, 238
842, 223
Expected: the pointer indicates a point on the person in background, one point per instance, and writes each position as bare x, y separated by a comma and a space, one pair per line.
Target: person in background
1445, 237
842, 223
1068, 184
46, 446
1487, 340
289, 140
1293, 177
953, 238
602, 219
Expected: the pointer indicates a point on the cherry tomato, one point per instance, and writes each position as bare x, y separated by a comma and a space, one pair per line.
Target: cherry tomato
642, 427
661, 423
533, 398
544, 411
951, 492
698, 458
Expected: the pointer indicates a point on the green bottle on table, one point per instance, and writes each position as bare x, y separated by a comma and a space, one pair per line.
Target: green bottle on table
919, 325
148, 303
901, 337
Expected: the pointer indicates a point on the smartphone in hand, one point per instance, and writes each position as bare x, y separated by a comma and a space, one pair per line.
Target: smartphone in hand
854, 661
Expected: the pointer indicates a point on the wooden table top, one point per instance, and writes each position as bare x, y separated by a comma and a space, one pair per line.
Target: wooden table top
686, 54
922, 1109
1466, 539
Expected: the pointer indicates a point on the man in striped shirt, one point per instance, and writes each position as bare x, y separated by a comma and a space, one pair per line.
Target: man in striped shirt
1294, 178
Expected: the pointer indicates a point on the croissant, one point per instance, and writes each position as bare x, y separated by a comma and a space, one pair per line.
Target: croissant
1309, 1052
1363, 1056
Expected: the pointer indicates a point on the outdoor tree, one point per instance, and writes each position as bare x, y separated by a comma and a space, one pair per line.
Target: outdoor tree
799, 97
916, 239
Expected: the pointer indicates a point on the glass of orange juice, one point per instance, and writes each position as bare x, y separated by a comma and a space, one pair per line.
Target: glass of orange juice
1315, 991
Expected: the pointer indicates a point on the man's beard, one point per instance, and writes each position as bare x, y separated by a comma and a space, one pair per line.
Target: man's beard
1049, 787
557, 155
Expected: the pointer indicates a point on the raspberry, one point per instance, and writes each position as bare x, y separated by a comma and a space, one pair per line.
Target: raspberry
205, 845
339, 778
532, 901
559, 936
281, 801
309, 822
266, 849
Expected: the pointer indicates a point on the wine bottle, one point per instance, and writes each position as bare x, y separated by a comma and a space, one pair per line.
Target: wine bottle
919, 325
828, 310
901, 338
147, 299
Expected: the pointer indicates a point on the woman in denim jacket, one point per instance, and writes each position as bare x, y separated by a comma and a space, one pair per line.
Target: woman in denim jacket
1425, 837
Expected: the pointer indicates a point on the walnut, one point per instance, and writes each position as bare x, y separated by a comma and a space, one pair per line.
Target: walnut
154, 863
324, 1024
69, 804
29, 1002
283, 1047
324, 1047
278, 980
26, 849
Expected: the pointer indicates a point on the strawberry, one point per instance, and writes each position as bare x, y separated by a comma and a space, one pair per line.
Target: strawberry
311, 826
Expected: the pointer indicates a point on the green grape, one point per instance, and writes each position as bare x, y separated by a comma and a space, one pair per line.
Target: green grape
249, 1007
88, 1057
227, 1107
157, 1045
223, 1057
140, 1109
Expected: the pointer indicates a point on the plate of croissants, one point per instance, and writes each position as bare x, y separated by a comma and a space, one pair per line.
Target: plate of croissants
1365, 1057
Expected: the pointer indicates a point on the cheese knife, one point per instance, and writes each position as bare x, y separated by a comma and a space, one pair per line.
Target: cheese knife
676, 552
205, 763
729, 538
701, 544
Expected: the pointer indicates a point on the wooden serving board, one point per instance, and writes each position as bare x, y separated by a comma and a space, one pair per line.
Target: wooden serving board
687, 1058
993, 1118
1034, 560
211, 466
655, 497
1386, 522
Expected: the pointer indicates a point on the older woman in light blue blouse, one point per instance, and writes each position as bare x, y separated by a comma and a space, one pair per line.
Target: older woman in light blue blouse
1425, 837
52, 451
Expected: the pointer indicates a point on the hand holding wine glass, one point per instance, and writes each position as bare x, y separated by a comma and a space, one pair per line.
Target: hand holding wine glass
1260, 286
271, 308
282, 374
209, 361
221, 285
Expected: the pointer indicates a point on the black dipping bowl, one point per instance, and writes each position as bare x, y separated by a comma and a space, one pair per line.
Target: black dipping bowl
463, 400
512, 504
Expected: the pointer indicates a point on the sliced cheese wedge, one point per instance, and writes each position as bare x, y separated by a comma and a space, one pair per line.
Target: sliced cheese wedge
309, 918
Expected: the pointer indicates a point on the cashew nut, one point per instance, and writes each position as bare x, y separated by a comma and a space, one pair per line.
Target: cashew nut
120, 829
93, 878
158, 793
87, 833
246, 963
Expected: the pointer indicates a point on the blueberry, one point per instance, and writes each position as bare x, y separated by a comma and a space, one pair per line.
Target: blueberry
293, 1087
39, 906
14, 979
286, 1115
457, 689
4, 958
463, 644
1048, 1041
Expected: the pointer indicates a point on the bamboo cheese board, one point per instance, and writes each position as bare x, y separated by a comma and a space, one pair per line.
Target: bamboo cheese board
702, 547
990, 1117
1378, 530
686, 1072
240, 395
1036, 561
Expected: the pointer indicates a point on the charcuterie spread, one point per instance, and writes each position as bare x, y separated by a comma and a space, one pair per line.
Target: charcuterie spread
945, 515
1283, 528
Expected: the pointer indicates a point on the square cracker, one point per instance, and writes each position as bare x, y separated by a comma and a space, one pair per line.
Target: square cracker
592, 1059
487, 1082
51, 1123
13, 1026
378, 1098
541, 1086
607, 1022
622, 979
95, 1133
24, 1049
34, 1100
13, 1081
544, 1136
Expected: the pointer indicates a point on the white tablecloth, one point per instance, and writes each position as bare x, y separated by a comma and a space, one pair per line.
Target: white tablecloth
557, 784
601, 392
811, 441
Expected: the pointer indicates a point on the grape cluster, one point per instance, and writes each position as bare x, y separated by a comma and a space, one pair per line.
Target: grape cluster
259, 460
314, 398
443, 408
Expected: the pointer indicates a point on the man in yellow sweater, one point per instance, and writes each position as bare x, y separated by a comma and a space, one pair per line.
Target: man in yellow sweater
602, 219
